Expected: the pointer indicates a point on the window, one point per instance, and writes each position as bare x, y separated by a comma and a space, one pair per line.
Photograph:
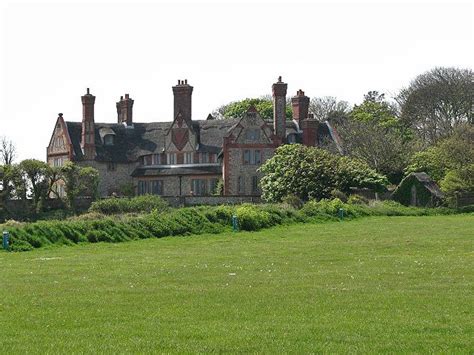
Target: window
204, 158
257, 157
150, 187
109, 139
156, 159
240, 185
188, 158
147, 160
171, 158
199, 187
247, 156
111, 166
252, 157
57, 162
252, 135
254, 184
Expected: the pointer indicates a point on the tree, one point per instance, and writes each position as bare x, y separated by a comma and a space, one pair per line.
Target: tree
438, 101
458, 181
373, 134
451, 153
328, 108
79, 182
35, 175
7, 151
313, 173
264, 106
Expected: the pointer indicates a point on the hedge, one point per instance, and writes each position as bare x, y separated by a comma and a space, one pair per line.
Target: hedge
95, 227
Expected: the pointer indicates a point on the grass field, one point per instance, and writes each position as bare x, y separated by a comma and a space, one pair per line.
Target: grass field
381, 284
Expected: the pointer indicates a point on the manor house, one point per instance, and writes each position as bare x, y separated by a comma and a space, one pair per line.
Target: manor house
183, 156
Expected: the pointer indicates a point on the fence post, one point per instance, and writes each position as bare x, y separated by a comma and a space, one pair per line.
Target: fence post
235, 223
6, 240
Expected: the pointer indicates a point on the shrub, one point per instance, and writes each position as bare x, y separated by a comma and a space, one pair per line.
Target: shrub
293, 201
357, 200
139, 204
339, 194
251, 218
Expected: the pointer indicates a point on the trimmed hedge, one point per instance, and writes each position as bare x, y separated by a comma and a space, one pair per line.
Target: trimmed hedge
94, 227
139, 204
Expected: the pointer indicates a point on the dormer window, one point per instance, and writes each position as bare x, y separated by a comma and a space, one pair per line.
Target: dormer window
109, 139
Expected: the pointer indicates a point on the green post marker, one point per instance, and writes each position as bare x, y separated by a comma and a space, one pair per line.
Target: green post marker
235, 224
6, 240
341, 213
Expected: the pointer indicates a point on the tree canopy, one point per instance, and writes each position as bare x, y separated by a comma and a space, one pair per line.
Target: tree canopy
264, 106
437, 101
313, 173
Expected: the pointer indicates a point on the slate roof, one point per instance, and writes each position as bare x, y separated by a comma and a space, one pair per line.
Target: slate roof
428, 183
148, 138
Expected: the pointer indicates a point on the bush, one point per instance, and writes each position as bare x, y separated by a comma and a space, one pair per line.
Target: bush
95, 227
139, 204
293, 201
251, 218
357, 200
339, 194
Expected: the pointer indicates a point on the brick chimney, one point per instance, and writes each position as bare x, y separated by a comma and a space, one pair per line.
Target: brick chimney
182, 99
309, 126
300, 106
124, 110
279, 108
88, 129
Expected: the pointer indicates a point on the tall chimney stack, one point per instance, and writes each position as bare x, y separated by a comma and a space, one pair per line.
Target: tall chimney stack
300, 106
88, 126
279, 108
124, 110
182, 100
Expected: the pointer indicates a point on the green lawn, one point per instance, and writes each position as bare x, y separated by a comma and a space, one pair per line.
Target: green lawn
382, 284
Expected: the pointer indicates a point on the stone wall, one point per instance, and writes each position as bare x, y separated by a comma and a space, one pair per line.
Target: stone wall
245, 171
210, 200
112, 177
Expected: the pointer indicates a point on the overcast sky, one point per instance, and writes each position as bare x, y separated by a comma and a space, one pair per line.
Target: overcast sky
51, 52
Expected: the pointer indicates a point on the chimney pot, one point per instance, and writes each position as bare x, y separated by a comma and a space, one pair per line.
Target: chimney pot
126, 96
88, 92
186, 81
60, 114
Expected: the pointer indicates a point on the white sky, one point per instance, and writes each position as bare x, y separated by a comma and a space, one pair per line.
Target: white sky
50, 52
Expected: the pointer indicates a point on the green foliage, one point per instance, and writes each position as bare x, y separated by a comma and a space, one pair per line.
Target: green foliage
35, 174
375, 109
219, 190
96, 227
438, 101
292, 201
251, 217
127, 189
79, 181
458, 181
357, 200
138, 204
263, 105
452, 153
312, 173
403, 194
